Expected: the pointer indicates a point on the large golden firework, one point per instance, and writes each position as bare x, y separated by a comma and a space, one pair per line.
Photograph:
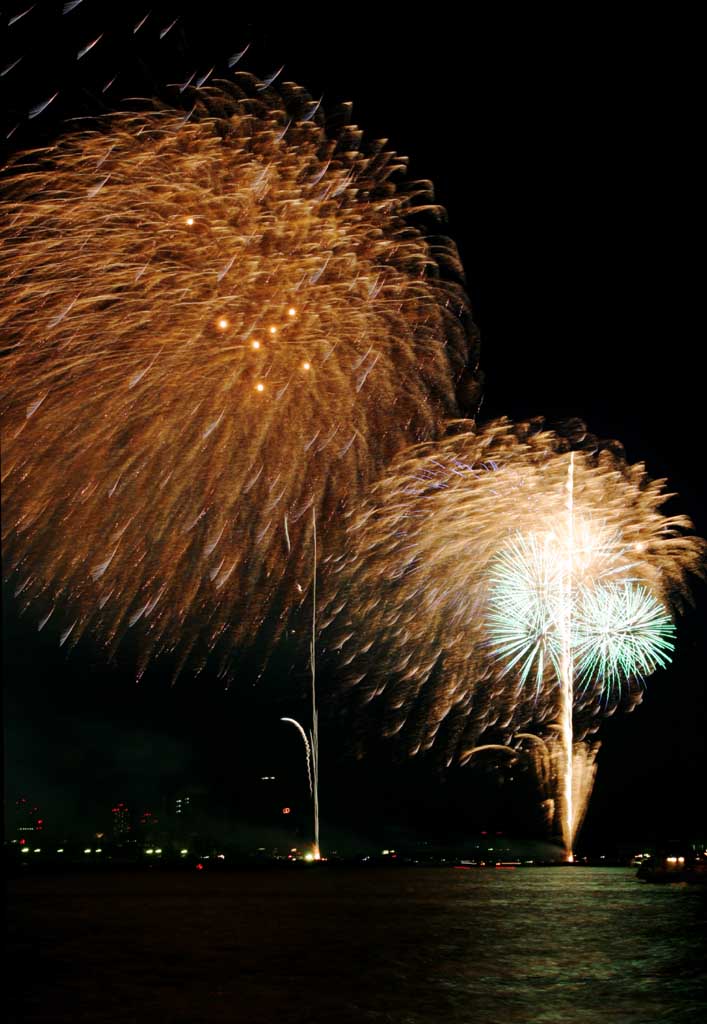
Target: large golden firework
212, 322
410, 608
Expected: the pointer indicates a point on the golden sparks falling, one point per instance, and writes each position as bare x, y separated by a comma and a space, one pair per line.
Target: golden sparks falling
158, 455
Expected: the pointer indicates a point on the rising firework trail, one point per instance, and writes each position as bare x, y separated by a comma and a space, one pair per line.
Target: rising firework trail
215, 320
311, 742
465, 598
315, 713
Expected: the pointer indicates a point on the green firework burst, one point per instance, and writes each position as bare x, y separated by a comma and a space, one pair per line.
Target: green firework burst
620, 632
616, 629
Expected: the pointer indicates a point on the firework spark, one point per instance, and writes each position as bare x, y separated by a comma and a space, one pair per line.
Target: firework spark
212, 324
409, 606
621, 632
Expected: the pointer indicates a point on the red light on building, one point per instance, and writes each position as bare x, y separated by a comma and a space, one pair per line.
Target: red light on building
199, 867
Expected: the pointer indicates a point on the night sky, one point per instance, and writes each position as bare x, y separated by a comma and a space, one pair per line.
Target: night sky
566, 157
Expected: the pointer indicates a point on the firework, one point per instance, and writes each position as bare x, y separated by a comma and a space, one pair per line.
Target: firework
545, 757
213, 322
524, 608
587, 633
621, 632
425, 613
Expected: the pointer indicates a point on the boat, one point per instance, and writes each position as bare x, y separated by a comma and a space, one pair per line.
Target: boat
674, 868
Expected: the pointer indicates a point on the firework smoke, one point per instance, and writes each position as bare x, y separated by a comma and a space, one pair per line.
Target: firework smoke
212, 323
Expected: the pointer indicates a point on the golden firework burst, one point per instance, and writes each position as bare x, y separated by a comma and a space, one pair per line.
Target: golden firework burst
212, 323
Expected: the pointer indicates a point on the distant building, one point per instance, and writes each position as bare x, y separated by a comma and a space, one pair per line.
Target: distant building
28, 817
182, 806
146, 827
122, 825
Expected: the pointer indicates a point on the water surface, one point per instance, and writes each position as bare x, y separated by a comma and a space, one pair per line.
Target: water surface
334, 946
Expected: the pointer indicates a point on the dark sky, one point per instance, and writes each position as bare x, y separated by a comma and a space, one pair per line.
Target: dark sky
566, 155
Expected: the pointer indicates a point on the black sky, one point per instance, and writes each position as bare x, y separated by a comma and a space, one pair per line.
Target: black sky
567, 157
